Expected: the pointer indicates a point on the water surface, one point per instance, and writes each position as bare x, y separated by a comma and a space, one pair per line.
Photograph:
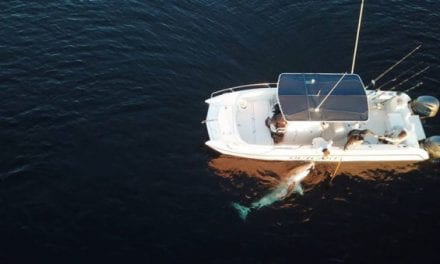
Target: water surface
102, 151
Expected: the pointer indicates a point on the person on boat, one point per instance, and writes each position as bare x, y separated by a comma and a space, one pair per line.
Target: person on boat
325, 153
323, 145
363, 133
353, 140
276, 124
394, 139
356, 137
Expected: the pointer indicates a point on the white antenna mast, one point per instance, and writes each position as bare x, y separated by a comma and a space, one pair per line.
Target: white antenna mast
357, 36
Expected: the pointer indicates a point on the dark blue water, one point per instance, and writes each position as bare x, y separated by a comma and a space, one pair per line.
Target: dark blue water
102, 154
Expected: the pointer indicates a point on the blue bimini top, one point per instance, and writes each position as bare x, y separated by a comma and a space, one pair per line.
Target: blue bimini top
305, 97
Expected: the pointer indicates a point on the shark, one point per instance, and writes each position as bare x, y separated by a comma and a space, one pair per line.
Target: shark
285, 187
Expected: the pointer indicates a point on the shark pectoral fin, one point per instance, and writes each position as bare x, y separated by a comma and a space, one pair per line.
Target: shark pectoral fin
298, 189
290, 190
242, 210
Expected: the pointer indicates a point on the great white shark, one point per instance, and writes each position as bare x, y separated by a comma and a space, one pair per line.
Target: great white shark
291, 183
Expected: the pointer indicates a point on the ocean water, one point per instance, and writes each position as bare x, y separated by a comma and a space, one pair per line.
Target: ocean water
102, 150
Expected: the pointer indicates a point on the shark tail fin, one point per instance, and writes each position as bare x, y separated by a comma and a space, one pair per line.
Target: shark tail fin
243, 211
298, 189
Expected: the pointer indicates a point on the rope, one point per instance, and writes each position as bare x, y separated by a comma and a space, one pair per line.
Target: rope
337, 167
325, 98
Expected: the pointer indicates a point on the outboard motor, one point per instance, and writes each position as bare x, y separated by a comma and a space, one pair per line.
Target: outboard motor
425, 106
432, 146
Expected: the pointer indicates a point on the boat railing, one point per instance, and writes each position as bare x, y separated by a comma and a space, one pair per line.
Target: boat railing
244, 87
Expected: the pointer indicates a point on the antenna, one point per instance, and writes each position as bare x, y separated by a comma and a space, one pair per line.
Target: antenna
357, 36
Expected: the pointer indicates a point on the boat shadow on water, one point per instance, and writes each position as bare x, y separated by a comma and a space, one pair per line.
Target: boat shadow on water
260, 183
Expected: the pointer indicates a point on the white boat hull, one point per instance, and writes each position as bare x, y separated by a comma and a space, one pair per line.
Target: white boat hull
236, 127
304, 153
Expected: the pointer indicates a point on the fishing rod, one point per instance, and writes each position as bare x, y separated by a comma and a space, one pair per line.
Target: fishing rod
393, 66
413, 87
411, 77
400, 75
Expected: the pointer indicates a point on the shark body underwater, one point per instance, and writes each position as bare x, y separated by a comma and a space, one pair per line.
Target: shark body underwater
292, 183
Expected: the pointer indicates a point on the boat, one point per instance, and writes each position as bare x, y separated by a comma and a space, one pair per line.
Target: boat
328, 117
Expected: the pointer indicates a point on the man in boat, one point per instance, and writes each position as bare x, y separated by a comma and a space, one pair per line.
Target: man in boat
356, 137
394, 137
276, 124
323, 145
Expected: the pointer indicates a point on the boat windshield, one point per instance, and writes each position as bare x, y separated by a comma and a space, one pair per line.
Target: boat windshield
322, 97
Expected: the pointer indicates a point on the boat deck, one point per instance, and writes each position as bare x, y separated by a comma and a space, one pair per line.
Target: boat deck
252, 111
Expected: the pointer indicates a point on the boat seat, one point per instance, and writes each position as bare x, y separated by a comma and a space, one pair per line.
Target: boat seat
394, 121
250, 120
